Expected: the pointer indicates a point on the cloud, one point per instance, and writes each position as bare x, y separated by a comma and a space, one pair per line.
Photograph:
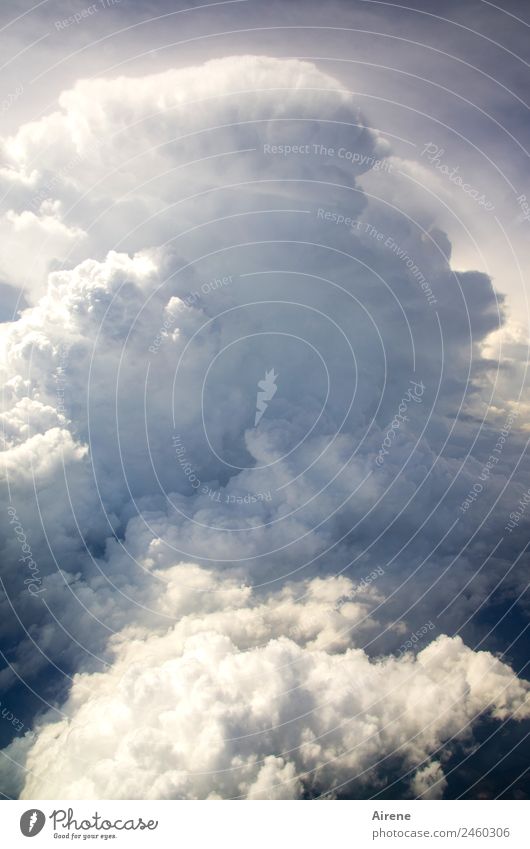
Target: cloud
51, 237
219, 230
280, 702
121, 157
242, 702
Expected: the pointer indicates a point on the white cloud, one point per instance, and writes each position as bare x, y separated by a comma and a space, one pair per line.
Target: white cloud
137, 343
50, 239
234, 703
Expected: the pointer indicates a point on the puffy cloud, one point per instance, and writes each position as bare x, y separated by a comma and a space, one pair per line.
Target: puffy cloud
429, 782
50, 237
122, 157
241, 702
205, 251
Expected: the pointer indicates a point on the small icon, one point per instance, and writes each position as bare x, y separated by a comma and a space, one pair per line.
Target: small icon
32, 822
268, 390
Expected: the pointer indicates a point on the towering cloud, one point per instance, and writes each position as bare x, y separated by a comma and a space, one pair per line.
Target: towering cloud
247, 410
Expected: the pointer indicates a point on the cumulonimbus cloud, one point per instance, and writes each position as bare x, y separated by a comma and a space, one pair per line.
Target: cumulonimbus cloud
218, 230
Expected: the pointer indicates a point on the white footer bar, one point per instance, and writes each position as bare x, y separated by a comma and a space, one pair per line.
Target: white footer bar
267, 824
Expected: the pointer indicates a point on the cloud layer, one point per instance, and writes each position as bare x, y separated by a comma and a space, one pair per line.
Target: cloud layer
264, 700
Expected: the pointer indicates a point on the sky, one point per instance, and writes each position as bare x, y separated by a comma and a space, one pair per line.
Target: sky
264, 330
